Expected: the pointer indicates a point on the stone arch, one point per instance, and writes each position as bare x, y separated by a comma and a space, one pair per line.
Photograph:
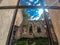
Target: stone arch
38, 27
30, 27
24, 28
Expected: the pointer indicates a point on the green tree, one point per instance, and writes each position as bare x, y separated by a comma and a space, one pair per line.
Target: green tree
25, 15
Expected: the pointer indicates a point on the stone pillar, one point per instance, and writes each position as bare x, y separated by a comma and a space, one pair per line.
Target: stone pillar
33, 27
55, 17
6, 17
19, 18
17, 34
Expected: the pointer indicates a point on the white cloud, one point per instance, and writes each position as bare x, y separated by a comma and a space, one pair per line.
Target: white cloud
28, 3
40, 12
38, 4
31, 0
36, 1
36, 18
46, 10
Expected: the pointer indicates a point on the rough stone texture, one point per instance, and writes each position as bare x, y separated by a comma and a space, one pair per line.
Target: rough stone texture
23, 30
55, 17
51, 2
5, 20
19, 18
8, 2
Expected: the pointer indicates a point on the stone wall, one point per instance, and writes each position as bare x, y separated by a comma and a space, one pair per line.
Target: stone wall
55, 17
6, 17
23, 30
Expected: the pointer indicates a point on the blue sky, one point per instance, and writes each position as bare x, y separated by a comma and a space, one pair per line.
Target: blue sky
34, 13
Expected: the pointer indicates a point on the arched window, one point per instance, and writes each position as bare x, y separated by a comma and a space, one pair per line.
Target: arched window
30, 29
38, 29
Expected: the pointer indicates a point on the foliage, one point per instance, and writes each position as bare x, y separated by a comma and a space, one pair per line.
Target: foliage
33, 41
25, 15
21, 43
